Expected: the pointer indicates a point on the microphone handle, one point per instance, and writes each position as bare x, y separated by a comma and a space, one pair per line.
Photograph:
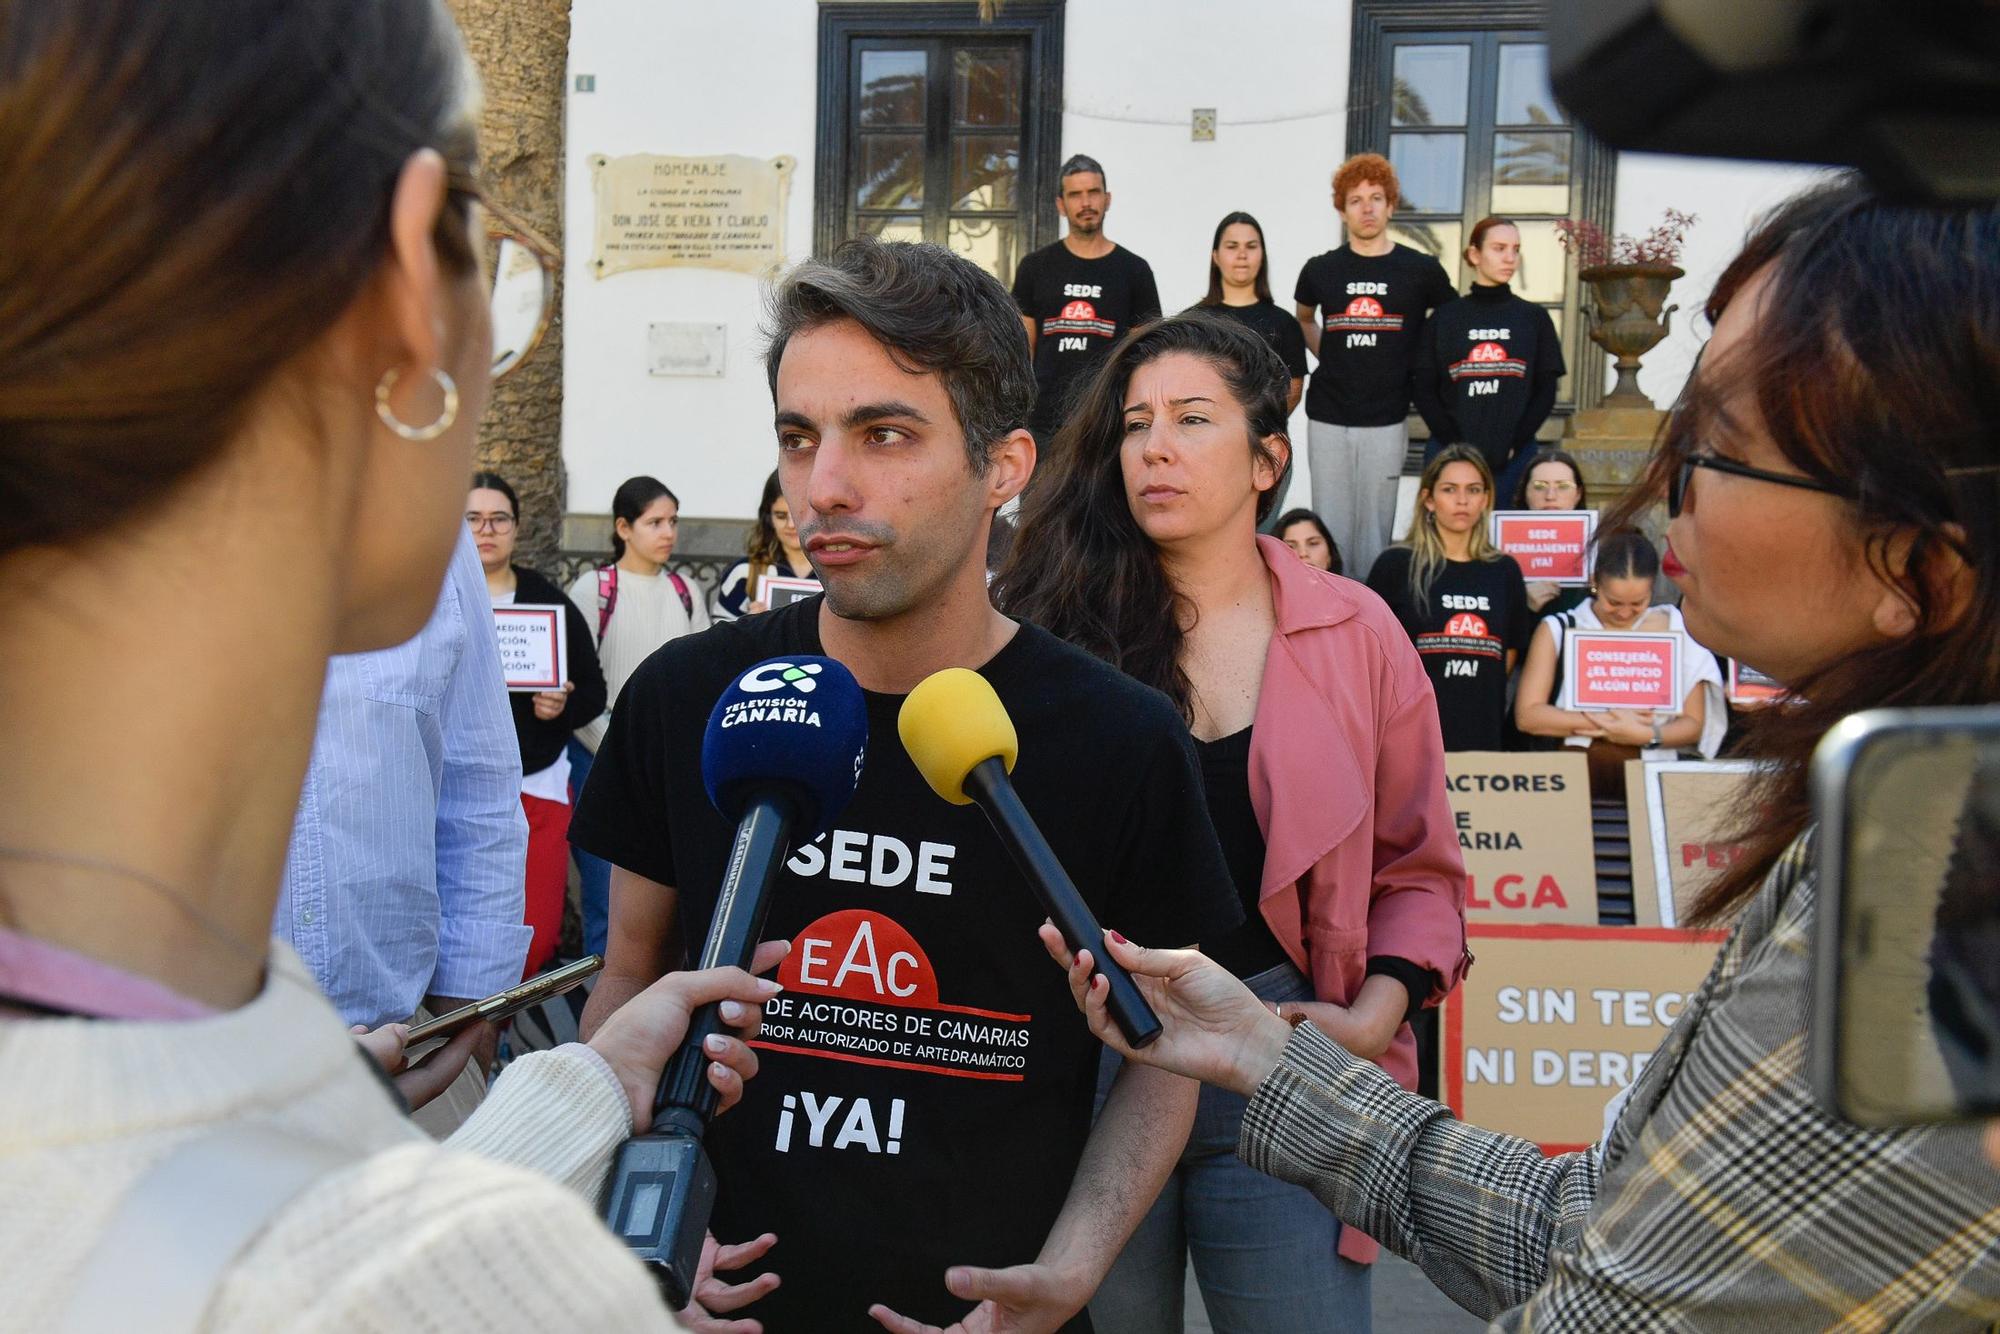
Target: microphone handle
989, 785
762, 840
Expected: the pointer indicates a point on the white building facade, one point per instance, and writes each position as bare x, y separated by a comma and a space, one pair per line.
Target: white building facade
919, 120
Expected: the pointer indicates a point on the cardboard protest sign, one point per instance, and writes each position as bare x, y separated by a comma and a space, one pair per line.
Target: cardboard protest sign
1554, 1020
1550, 546
534, 646
1749, 686
1621, 669
1691, 805
1524, 830
782, 590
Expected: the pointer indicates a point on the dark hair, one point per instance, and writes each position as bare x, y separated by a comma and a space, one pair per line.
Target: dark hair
1624, 553
1365, 169
1214, 297
634, 497
763, 547
1485, 225
1081, 567
1561, 456
1076, 165
1302, 515
1885, 382
933, 311
193, 194
493, 481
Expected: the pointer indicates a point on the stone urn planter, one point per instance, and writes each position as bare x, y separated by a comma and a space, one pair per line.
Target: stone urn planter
1626, 319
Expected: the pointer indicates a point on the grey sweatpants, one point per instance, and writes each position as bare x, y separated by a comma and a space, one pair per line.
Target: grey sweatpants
1354, 472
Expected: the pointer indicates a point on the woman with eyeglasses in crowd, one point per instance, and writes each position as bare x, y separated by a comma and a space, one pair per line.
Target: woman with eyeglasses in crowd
634, 604
774, 549
1623, 570
238, 428
1322, 765
1553, 481
1834, 483
543, 720
1459, 597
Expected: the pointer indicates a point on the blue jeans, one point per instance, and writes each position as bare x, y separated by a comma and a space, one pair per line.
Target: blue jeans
1264, 1250
592, 873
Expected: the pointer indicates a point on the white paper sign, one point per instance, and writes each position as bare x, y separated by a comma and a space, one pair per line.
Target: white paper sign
534, 648
782, 590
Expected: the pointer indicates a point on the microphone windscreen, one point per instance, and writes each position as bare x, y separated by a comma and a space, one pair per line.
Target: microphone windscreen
951, 723
799, 724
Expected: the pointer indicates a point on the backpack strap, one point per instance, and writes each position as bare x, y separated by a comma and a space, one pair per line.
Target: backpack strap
607, 598
1557, 624
166, 1247
687, 598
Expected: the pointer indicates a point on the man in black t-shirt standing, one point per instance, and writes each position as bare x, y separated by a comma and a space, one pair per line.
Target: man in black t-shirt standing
1079, 295
919, 1138
1362, 309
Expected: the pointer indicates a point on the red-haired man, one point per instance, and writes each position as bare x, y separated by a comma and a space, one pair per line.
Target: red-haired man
1362, 307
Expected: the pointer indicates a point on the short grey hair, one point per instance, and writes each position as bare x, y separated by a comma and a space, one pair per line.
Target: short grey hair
1078, 164
934, 311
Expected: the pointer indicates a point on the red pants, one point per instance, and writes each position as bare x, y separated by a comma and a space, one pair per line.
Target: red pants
548, 876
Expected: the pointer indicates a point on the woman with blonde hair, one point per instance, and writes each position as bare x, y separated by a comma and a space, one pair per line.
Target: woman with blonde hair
1460, 598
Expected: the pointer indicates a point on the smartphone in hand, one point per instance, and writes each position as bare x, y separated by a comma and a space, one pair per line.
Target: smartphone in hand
501, 1005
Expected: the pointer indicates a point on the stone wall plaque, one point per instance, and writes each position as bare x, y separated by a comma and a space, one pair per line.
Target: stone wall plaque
657, 212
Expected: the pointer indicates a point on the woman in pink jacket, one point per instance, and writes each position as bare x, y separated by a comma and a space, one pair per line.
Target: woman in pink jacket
1324, 770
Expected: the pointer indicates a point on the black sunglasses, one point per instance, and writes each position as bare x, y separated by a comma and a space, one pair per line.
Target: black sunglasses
1677, 486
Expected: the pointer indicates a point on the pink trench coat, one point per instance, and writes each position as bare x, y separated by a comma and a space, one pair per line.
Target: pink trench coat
1348, 781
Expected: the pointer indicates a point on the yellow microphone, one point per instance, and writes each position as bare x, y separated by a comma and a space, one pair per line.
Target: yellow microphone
962, 741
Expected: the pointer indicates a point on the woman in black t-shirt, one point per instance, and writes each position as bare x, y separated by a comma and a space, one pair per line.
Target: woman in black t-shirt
1461, 599
1139, 543
1239, 286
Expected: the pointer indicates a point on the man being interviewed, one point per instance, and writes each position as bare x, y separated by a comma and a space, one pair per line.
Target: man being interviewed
925, 1098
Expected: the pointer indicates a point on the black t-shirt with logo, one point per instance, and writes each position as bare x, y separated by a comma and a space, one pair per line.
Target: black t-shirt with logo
926, 1080
1371, 312
1280, 329
1477, 613
1487, 371
1081, 308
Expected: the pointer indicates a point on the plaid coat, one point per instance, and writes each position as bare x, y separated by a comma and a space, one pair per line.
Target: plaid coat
1723, 1198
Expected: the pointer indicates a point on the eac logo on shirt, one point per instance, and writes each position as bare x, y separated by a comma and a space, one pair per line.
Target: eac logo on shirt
1364, 305
1487, 352
1467, 625
1079, 310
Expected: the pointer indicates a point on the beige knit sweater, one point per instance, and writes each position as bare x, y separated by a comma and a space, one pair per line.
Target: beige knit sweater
492, 1230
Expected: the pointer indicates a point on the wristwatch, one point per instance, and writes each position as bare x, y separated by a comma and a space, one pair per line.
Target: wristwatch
1657, 726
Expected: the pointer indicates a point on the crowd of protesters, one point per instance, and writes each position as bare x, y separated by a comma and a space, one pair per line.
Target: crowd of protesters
221, 902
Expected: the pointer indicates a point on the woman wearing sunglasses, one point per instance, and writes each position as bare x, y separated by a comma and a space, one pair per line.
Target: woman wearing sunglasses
1834, 479
249, 346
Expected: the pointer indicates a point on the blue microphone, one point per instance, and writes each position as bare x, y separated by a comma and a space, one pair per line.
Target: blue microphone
782, 757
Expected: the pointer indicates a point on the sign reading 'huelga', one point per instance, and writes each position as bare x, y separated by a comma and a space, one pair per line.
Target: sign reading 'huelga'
1524, 829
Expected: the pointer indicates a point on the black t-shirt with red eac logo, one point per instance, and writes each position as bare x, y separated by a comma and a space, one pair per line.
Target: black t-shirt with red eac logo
1081, 308
926, 1081
1371, 311
1477, 613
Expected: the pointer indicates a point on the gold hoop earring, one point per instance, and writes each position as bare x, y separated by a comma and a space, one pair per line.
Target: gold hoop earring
387, 384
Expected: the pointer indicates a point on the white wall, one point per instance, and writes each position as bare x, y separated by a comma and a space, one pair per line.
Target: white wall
677, 77
1728, 198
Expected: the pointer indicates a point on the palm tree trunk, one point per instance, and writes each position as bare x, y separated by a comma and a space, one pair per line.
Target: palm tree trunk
522, 50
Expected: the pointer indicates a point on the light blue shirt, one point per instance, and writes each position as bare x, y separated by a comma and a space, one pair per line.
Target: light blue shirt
406, 870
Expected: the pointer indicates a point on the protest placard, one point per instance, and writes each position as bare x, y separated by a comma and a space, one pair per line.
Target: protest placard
1550, 546
1621, 669
1524, 830
1554, 1020
1691, 808
1750, 687
534, 648
782, 590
